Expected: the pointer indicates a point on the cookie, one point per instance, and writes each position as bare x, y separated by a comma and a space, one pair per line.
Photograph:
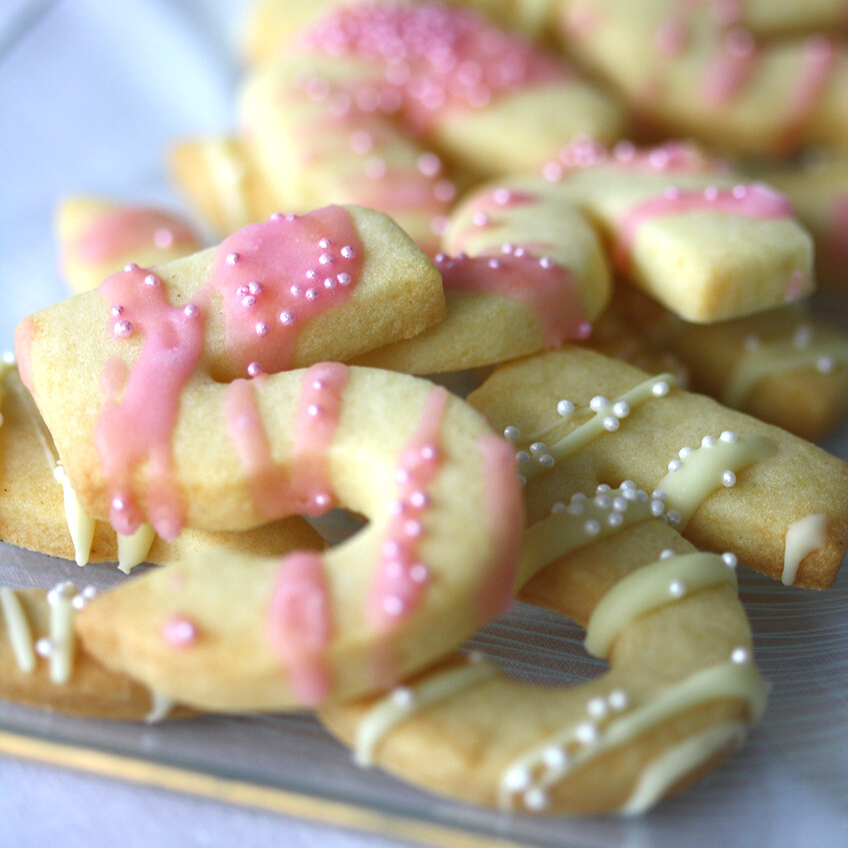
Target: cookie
690, 233
98, 237
700, 70
782, 366
436, 560
680, 692
523, 272
730, 482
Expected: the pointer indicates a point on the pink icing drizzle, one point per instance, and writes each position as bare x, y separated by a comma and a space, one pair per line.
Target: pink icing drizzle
138, 429
671, 157
434, 58
753, 200
307, 489
117, 232
275, 276
300, 624
732, 68
547, 289
401, 577
818, 62
506, 517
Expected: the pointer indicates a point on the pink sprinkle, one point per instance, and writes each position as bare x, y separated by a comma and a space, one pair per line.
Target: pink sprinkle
179, 632
232, 258
123, 329
413, 529
163, 237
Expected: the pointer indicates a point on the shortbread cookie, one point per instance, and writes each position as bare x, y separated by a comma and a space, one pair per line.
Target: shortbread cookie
436, 560
39, 509
691, 70
782, 366
524, 271
271, 23
224, 184
729, 481
98, 237
680, 693
43, 665
696, 237
817, 186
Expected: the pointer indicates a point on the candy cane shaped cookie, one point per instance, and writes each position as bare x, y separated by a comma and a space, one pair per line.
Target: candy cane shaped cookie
699, 239
40, 511
680, 692
730, 482
98, 237
715, 72
523, 272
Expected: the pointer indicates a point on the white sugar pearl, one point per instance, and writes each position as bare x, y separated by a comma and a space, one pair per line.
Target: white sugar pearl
621, 409
675, 465
707, 442
512, 433
729, 436
740, 656
565, 408
666, 553
728, 479
546, 461
592, 528
611, 424
660, 389
677, 588
538, 447
598, 403
730, 560
618, 700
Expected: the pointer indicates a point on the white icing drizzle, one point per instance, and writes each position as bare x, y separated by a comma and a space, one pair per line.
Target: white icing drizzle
534, 772
7, 365
230, 187
607, 419
781, 356
160, 708
133, 550
17, 626
804, 536
648, 588
583, 522
679, 761
404, 702
700, 472
80, 524
60, 647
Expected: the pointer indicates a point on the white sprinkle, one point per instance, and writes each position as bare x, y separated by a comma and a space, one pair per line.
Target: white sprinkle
538, 447
675, 465
190, 311
825, 364
659, 494
752, 343
511, 433
287, 318
673, 517
598, 403
261, 329
392, 605
657, 507
602, 500
707, 442
557, 508
660, 389
666, 553
517, 778
232, 258
729, 436
592, 527
43, 647
555, 758
740, 656
576, 508
403, 696
546, 262
586, 733
728, 478
730, 559
677, 588
312, 294
579, 497
615, 519
565, 408
597, 707
603, 487
313, 410
611, 424
684, 452
151, 280
618, 700
803, 336
546, 461
324, 243
522, 456
535, 799
348, 252
621, 409
620, 504
344, 279
130, 267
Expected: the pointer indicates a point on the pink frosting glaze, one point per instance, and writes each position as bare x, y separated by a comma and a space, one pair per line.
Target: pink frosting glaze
547, 289
732, 68
300, 624
24, 333
753, 200
116, 233
307, 488
275, 276
401, 578
506, 517
137, 429
432, 57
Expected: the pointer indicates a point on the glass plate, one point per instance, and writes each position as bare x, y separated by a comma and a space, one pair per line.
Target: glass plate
91, 94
